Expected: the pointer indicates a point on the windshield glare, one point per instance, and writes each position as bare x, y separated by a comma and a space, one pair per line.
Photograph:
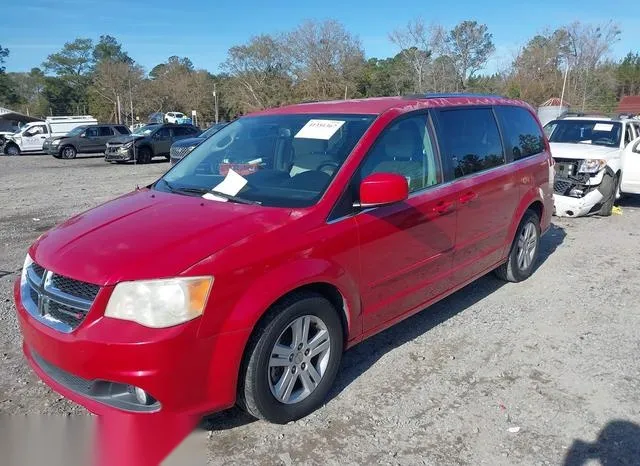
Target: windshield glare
211, 131
283, 166
147, 129
601, 133
76, 131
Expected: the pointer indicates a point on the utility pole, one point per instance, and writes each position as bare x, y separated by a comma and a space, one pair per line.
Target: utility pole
131, 101
119, 109
215, 100
345, 92
564, 85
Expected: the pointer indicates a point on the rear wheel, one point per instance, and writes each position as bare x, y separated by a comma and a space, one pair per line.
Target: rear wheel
292, 359
12, 149
68, 152
524, 250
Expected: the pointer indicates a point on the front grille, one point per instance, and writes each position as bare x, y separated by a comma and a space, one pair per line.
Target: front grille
562, 187
55, 300
179, 152
38, 270
75, 288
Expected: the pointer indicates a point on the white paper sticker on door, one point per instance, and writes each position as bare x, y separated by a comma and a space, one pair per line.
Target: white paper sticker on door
602, 127
319, 129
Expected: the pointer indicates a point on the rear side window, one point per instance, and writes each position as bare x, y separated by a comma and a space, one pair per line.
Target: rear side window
106, 131
470, 140
123, 129
522, 135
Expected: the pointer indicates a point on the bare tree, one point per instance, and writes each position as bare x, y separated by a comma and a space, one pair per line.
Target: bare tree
110, 80
414, 42
260, 72
327, 59
471, 45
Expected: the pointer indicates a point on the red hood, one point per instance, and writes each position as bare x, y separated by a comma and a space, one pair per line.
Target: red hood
148, 234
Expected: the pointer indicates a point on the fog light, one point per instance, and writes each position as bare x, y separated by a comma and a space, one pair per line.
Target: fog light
576, 192
142, 397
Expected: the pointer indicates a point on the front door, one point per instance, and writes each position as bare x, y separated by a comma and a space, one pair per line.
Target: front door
33, 138
487, 190
406, 248
162, 141
91, 140
631, 168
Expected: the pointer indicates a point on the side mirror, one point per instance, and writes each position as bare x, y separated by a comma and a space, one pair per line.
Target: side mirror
383, 189
83, 135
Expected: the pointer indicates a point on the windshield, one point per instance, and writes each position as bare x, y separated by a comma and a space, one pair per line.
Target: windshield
213, 130
602, 133
76, 131
147, 129
287, 160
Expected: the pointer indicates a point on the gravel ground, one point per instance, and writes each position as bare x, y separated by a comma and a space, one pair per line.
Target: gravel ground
541, 372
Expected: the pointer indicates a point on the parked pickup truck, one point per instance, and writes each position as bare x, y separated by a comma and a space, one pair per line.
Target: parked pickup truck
592, 168
31, 137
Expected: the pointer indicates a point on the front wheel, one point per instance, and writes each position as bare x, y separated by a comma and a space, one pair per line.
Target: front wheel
524, 250
144, 155
12, 149
68, 152
292, 359
609, 187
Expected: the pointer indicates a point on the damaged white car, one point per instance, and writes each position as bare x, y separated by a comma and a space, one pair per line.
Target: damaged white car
595, 163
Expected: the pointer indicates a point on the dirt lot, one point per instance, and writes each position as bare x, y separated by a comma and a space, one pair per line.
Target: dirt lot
495, 374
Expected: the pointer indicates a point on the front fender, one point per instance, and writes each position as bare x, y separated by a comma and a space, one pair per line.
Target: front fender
259, 295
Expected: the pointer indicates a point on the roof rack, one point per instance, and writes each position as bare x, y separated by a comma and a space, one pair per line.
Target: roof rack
451, 95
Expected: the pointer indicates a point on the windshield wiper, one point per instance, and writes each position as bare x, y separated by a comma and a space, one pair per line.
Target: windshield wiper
237, 199
203, 191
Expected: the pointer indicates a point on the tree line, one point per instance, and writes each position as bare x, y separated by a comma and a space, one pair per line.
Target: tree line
321, 60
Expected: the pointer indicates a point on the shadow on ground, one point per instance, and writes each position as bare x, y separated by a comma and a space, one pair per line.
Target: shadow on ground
617, 444
360, 358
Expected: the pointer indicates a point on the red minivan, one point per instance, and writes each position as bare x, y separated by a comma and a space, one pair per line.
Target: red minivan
244, 272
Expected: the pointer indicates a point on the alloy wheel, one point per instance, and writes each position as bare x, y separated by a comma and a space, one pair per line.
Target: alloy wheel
527, 245
299, 359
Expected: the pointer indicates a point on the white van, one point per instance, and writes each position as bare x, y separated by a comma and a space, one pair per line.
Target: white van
31, 136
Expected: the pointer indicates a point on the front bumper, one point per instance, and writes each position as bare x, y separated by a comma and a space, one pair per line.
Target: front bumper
118, 155
185, 373
566, 206
51, 150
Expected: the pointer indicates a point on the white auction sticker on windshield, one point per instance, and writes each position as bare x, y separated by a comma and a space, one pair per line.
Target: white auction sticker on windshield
231, 186
602, 127
319, 129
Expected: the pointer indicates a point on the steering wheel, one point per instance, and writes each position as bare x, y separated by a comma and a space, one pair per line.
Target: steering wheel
331, 164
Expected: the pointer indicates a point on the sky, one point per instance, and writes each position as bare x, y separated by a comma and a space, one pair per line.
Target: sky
152, 31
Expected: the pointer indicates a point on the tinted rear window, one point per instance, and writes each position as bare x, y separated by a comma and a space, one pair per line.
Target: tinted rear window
522, 135
470, 140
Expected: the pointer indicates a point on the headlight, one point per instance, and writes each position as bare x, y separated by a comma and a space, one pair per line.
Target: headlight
27, 263
126, 146
160, 303
55, 142
591, 165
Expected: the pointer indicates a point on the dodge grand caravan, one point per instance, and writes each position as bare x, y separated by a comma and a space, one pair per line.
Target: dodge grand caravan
244, 272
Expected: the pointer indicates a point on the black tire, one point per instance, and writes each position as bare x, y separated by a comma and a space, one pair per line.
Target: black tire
11, 149
608, 188
68, 152
144, 155
513, 270
255, 394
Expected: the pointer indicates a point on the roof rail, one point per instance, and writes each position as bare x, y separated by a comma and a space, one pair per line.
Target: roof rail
451, 95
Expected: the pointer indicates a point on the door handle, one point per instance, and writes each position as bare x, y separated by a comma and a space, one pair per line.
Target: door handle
468, 197
443, 207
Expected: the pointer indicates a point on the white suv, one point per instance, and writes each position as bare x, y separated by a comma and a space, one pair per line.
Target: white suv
595, 163
173, 117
